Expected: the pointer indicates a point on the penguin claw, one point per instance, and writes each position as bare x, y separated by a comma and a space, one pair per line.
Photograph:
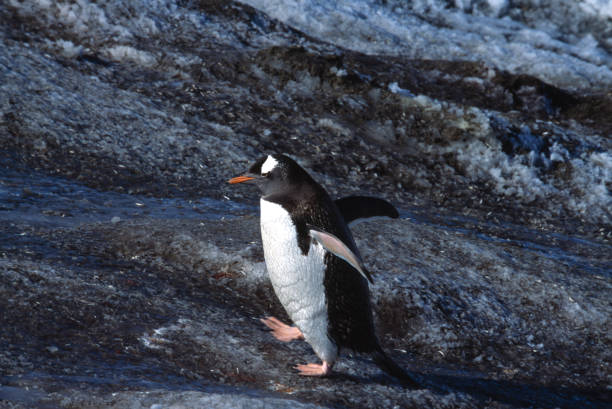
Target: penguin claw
314, 369
282, 331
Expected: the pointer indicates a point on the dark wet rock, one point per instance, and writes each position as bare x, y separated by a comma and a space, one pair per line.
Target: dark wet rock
493, 288
148, 303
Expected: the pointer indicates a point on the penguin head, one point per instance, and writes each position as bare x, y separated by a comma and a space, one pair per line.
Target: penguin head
275, 174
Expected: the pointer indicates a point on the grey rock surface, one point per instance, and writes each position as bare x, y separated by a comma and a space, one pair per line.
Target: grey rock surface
132, 275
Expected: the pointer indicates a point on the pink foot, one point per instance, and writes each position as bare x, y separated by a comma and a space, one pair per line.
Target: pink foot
314, 369
282, 331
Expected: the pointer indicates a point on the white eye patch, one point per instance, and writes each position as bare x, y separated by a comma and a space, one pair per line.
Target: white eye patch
268, 165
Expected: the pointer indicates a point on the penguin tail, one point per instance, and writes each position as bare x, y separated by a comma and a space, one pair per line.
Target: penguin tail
385, 363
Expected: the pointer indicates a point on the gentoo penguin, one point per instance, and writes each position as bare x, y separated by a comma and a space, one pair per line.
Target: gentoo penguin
314, 265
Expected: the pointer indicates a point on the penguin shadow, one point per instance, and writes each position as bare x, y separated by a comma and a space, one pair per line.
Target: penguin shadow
516, 393
519, 394
360, 369
487, 390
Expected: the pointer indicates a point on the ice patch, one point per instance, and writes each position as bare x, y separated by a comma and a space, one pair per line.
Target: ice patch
221, 129
602, 8
497, 5
340, 72
125, 53
191, 251
517, 163
430, 30
81, 17
561, 50
333, 126
66, 48
94, 24
393, 87
510, 176
304, 84
592, 176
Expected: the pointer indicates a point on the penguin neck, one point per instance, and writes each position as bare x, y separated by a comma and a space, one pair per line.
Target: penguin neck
299, 193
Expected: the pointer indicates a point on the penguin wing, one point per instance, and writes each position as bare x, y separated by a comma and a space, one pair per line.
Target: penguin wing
363, 207
335, 246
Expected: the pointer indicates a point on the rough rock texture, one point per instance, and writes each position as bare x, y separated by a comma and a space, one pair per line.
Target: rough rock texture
212, 97
173, 306
494, 287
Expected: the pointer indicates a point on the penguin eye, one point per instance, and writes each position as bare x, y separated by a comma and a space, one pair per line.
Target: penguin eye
266, 175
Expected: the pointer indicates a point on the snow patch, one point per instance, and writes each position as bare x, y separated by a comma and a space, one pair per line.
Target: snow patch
602, 8
66, 48
126, 53
333, 126
208, 254
304, 84
429, 29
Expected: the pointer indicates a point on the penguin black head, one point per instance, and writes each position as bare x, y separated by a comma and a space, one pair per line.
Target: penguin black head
275, 174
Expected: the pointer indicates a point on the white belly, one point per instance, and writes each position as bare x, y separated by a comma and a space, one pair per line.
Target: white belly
297, 279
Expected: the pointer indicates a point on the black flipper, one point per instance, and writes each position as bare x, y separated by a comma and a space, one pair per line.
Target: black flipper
363, 207
386, 364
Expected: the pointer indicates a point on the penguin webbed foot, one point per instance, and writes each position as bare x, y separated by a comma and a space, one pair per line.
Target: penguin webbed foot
282, 331
323, 369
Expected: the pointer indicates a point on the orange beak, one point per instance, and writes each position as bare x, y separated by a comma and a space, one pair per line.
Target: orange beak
240, 179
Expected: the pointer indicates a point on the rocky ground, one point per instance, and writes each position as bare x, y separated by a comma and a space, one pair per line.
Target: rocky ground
493, 288
191, 105
93, 314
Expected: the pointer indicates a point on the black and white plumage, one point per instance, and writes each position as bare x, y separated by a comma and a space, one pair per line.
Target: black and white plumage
314, 265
